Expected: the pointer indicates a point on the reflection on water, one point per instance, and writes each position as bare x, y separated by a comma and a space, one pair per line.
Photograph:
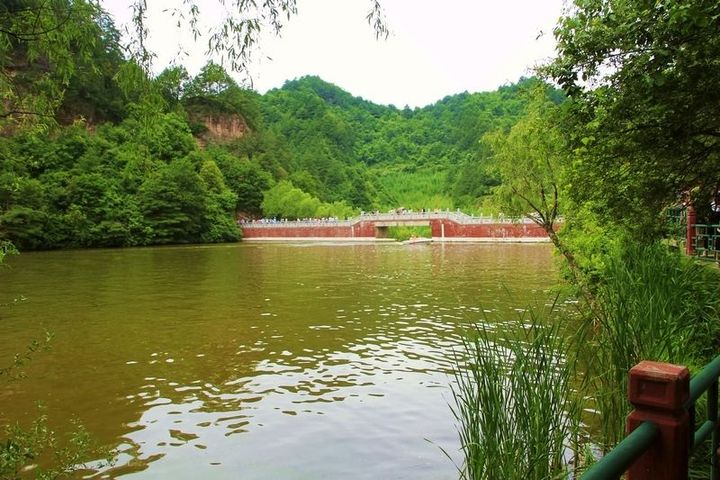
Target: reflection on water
261, 361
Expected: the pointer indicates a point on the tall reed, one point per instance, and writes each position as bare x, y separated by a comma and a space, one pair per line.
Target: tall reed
518, 399
514, 402
651, 304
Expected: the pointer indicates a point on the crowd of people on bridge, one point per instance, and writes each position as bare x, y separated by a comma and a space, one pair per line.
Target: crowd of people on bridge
274, 221
334, 220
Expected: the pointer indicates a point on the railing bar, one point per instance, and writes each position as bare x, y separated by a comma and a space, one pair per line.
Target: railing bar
624, 454
691, 423
702, 381
637, 443
702, 433
712, 406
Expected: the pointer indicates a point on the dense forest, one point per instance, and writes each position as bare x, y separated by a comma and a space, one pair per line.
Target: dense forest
127, 159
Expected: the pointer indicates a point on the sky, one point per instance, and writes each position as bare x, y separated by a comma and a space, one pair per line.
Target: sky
436, 47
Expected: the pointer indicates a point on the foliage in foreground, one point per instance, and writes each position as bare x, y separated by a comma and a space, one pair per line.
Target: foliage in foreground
529, 160
643, 82
36, 451
651, 304
6, 248
514, 401
520, 393
22, 449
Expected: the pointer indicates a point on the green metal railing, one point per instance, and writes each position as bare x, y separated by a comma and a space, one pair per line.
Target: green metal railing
706, 381
640, 440
624, 454
676, 225
706, 240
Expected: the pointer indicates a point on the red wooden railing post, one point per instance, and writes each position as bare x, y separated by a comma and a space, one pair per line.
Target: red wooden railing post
658, 391
690, 230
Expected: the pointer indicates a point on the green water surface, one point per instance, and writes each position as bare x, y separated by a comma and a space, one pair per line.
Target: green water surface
260, 361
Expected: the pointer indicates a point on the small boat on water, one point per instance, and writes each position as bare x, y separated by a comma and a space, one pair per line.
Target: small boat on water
414, 241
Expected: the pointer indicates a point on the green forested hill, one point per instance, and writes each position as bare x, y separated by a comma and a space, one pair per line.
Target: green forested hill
423, 158
130, 160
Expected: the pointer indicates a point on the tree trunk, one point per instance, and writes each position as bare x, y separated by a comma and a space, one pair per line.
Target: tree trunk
569, 257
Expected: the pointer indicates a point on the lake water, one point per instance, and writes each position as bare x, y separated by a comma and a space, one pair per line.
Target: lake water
260, 361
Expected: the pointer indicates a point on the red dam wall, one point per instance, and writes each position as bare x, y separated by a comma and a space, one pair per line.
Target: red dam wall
486, 230
441, 228
358, 230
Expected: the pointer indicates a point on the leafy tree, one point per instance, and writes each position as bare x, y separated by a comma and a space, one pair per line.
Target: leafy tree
42, 43
24, 226
213, 92
221, 226
246, 179
92, 91
168, 139
474, 178
529, 159
173, 202
360, 191
212, 80
212, 177
171, 84
284, 200
6, 248
644, 80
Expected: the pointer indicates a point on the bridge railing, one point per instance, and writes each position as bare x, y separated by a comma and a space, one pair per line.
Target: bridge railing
458, 217
662, 426
298, 223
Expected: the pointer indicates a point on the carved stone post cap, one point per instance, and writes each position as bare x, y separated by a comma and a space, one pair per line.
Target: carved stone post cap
661, 386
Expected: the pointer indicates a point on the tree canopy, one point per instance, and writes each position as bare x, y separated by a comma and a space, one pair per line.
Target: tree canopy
530, 159
644, 81
309, 149
43, 45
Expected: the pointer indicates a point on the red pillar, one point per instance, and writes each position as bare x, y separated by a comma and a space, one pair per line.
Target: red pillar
658, 391
436, 228
690, 237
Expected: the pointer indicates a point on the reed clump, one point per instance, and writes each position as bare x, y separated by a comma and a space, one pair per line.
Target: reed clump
651, 303
520, 399
514, 402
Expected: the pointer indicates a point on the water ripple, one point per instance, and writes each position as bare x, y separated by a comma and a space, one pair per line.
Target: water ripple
228, 358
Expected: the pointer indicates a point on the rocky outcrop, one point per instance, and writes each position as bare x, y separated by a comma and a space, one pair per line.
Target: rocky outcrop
226, 127
219, 127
